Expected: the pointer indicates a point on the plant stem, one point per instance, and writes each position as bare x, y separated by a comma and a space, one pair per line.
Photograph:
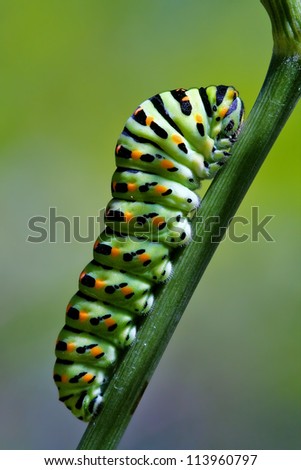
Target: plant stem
286, 25
277, 98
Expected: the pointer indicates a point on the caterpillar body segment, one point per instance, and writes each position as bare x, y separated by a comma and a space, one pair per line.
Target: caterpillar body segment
139, 256
148, 221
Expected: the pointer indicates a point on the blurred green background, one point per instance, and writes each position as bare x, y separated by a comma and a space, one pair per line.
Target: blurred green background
72, 71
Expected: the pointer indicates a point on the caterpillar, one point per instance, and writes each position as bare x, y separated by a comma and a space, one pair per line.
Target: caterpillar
170, 143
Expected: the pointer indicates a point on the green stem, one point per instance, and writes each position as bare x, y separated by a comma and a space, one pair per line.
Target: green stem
277, 98
286, 25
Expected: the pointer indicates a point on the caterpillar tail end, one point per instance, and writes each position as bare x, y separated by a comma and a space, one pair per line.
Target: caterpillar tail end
90, 405
72, 382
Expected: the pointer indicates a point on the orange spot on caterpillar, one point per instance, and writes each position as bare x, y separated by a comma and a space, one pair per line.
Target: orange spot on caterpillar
149, 120
185, 98
115, 251
83, 316
132, 187
166, 164
223, 111
136, 154
114, 185
126, 290
118, 148
96, 351
87, 377
110, 322
128, 216
99, 284
82, 274
198, 118
71, 347
64, 378
177, 139
160, 188
231, 93
158, 221
144, 257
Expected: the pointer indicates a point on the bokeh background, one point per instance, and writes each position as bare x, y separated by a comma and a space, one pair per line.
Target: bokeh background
72, 71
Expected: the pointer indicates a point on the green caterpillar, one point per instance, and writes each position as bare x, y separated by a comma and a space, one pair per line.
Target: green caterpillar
171, 142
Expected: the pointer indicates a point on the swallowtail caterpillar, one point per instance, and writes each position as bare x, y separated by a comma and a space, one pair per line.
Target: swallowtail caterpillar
170, 143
